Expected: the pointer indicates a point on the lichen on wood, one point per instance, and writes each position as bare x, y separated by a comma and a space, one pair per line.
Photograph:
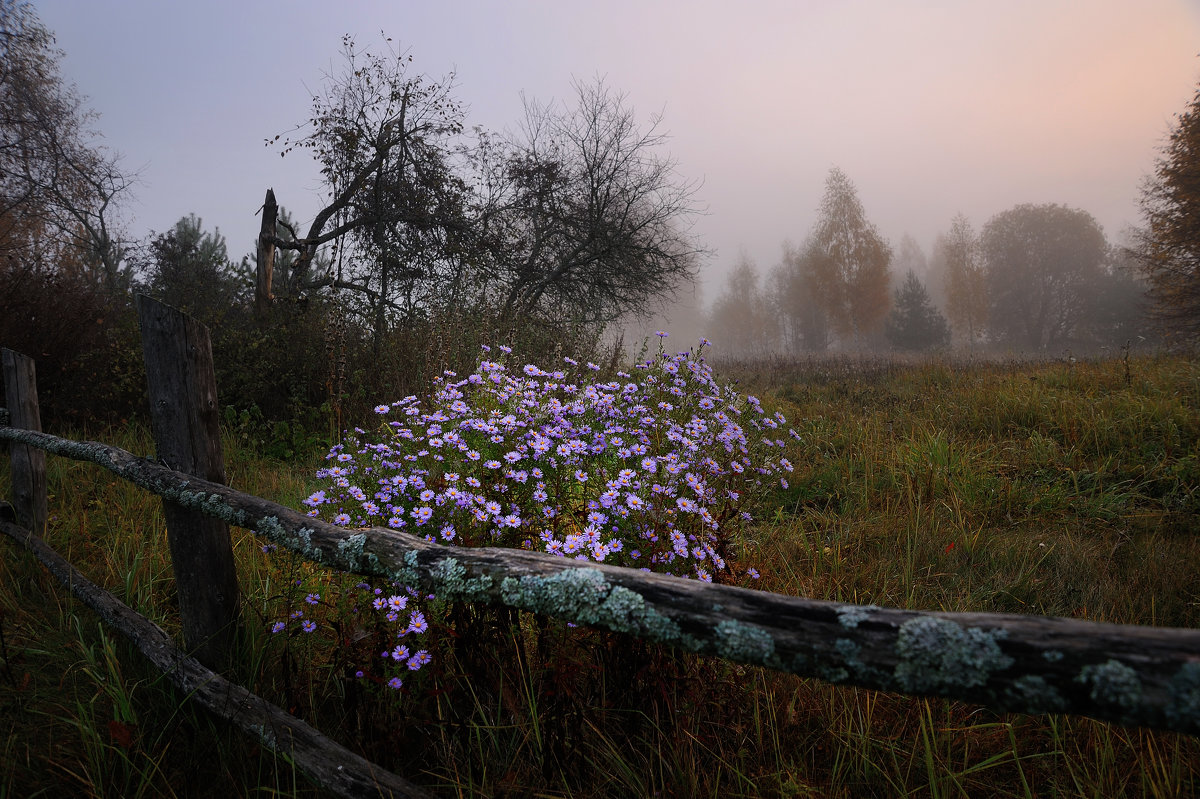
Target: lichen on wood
1131, 675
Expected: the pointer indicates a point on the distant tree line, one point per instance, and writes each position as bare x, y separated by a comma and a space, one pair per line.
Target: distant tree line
1037, 279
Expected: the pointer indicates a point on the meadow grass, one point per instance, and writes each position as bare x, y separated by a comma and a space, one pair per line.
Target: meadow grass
1069, 489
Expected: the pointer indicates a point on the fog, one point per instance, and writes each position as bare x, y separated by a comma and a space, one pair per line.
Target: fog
931, 109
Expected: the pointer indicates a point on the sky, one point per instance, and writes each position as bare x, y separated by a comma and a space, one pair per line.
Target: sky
931, 108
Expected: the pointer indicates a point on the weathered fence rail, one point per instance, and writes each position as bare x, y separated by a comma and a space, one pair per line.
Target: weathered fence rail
328, 763
1127, 674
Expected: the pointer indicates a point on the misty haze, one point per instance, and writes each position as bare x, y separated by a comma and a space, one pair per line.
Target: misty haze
599, 399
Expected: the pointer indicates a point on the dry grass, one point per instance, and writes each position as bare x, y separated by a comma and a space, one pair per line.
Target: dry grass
1064, 489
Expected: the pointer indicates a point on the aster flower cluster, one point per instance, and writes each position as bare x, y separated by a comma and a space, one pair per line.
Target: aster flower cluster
397, 610
652, 470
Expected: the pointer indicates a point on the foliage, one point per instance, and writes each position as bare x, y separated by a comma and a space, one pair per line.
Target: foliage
743, 318
914, 323
654, 473
84, 341
1122, 315
848, 270
803, 322
577, 219
190, 269
586, 220
59, 189
395, 207
1169, 247
1042, 264
965, 279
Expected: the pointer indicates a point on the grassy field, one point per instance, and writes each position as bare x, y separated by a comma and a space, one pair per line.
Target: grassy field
1067, 489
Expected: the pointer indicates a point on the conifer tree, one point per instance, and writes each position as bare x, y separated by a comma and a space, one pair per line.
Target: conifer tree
914, 323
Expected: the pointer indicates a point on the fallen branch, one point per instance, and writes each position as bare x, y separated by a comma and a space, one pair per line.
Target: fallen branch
1131, 675
326, 762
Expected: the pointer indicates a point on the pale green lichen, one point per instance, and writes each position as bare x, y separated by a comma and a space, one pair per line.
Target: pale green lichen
744, 642
451, 582
848, 651
299, 541
1113, 683
849, 616
937, 655
1052, 655
1032, 694
1183, 712
266, 734
584, 596
213, 505
354, 553
409, 573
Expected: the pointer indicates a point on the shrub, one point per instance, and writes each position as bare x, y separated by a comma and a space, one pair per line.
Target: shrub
652, 474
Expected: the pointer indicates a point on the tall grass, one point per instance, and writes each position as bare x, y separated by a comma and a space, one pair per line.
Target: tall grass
1066, 489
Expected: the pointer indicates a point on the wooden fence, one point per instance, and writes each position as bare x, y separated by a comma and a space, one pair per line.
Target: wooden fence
1126, 674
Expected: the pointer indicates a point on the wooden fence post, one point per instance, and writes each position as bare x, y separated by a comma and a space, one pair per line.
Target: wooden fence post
185, 421
265, 257
28, 464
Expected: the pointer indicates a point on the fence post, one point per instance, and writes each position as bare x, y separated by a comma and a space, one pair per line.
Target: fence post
265, 257
185, 421
28, 464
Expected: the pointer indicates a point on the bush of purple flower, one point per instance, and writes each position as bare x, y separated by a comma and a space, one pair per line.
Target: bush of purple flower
651, 470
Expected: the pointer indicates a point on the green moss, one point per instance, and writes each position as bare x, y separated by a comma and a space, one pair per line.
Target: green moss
938, 654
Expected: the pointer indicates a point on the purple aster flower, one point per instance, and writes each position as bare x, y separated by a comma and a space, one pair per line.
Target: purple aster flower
395, 683
309, 626
278, 626
382, 409
417, 623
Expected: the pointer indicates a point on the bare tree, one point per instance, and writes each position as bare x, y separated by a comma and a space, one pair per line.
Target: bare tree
590, 221
59, 189
384, 141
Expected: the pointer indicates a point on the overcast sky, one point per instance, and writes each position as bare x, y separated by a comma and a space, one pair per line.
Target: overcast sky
931, 108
